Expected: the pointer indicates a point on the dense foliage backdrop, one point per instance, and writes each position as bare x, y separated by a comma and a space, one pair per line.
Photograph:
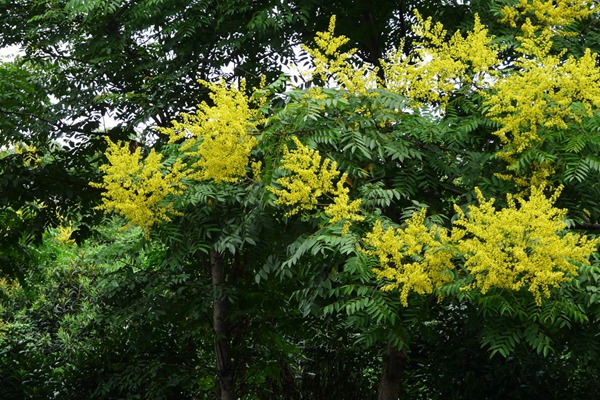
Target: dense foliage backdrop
412, 213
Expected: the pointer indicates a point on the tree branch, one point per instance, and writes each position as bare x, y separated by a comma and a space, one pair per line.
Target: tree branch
586, 227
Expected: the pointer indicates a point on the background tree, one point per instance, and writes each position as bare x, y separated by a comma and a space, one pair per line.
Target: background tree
271, 208
90, 69
369, 135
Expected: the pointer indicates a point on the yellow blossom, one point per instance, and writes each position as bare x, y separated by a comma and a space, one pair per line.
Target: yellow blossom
537, 176
439, 66
411, 259
137, 187
331, 64
64, 233
520, 246
542, 93
549, 15
218, 138
65, 230
256, 167
309, 178
342, 209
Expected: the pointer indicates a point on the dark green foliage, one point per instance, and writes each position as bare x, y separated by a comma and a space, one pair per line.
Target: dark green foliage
103, 322
128, 317
448, 361
47, 339
139, 60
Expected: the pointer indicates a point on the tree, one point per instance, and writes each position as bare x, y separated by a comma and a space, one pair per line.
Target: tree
136, 63
92, 69
47, 315
333, 181
297, 236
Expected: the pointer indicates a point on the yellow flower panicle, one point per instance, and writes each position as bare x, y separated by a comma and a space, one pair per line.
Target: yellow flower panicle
65, 230
538, 175
438, 66
137, 187
256, 167
218, 138
331, 64
412, 259
31, 159
216, 143
310, 177
520, 246
549, 15
64, 233
543, 93
342, 209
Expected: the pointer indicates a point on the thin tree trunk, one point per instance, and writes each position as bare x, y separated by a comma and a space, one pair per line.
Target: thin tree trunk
394, 362
220, 326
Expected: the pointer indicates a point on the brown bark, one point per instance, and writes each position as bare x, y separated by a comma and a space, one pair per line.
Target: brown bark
221, 328
394, 362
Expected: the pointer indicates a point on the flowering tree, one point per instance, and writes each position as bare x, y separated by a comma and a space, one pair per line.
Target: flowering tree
386, 188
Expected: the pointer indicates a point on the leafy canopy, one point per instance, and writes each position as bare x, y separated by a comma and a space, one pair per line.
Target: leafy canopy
511, 248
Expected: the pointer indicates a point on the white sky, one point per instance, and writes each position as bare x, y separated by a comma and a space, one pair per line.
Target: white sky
8, 53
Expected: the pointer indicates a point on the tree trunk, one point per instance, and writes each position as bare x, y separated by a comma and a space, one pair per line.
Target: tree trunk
220, 326
394, 361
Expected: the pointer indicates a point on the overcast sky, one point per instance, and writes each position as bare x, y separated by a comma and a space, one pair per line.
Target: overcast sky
8, 53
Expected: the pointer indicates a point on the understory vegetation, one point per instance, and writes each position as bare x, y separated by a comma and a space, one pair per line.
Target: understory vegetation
408, 210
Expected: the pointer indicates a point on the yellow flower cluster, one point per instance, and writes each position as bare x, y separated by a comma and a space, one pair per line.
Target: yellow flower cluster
537, 176
64, 233
65, 230
519, 246
31, 159
137, 188
256, 167
542, 92
218, 138
438, 66
412, 259
8, 289
342, 209
332, 64
554, 15
308, 178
